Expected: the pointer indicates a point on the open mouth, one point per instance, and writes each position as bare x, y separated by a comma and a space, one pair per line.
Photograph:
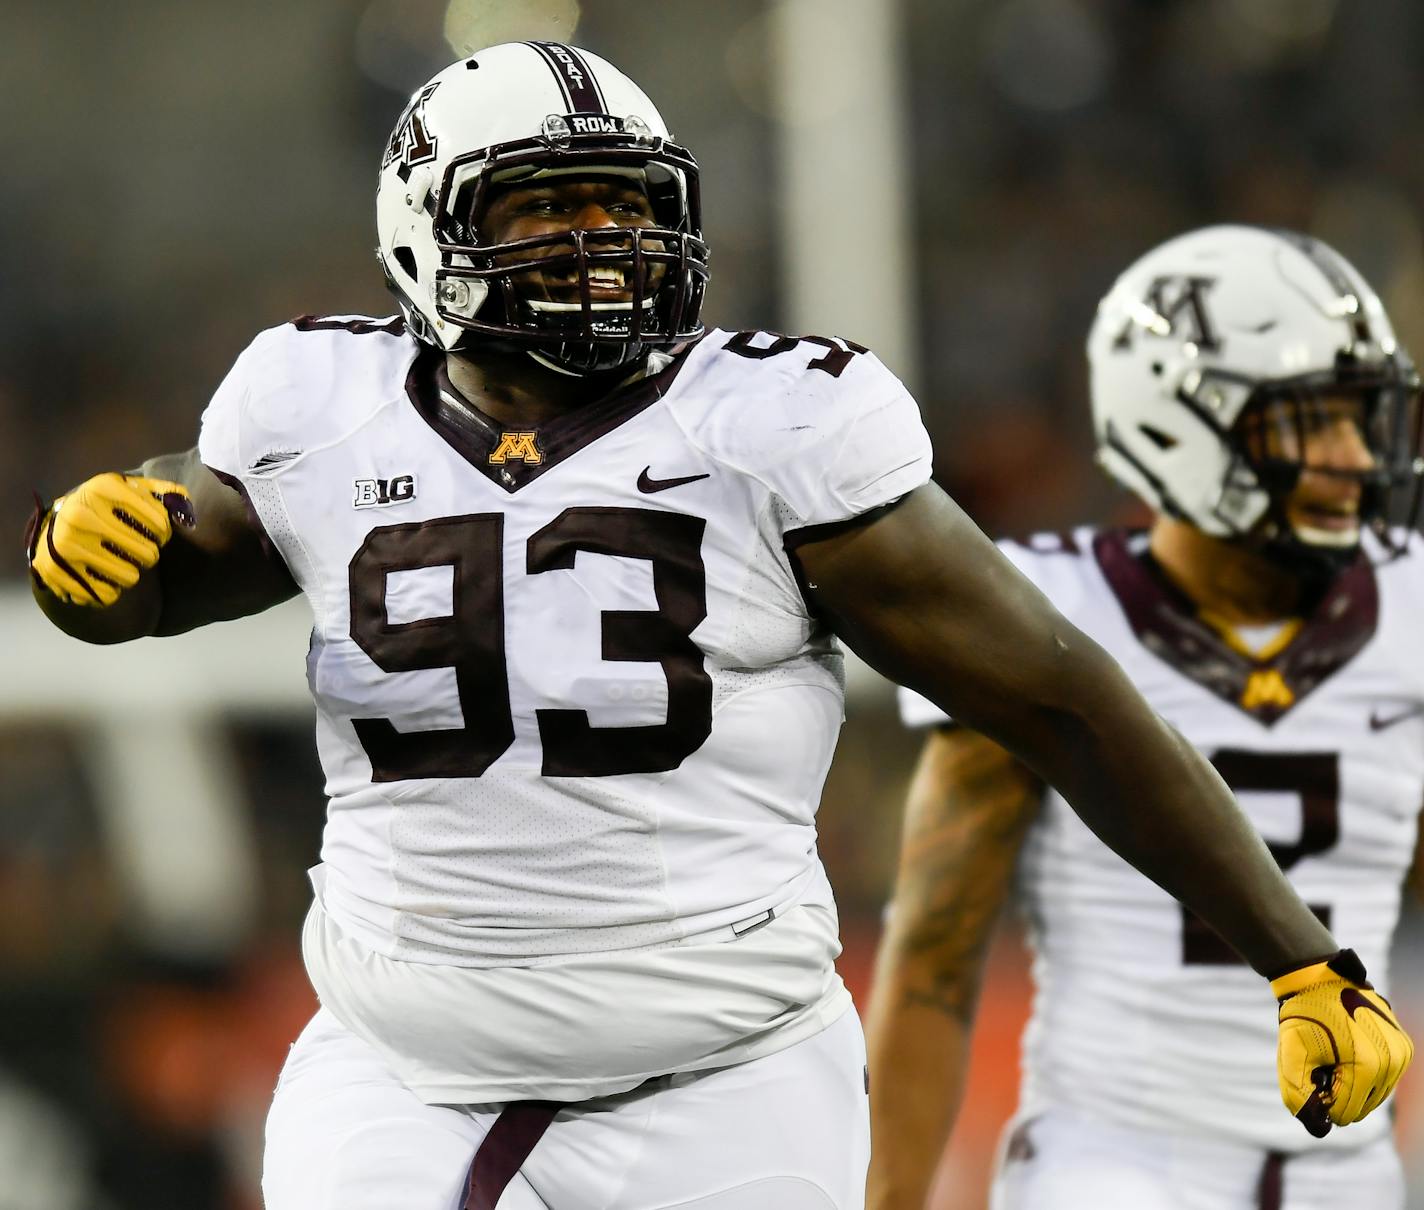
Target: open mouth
610, 288
1330, 516
610, 279
1327, 525
606, 284
606, 277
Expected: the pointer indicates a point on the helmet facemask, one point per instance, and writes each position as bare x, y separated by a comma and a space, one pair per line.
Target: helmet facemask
1277, 441
537, 293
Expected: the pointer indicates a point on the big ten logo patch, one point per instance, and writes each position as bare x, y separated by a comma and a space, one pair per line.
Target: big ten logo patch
371, 492
517, 447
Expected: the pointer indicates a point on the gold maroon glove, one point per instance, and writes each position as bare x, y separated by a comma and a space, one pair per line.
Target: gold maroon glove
92, 543
1341, 1049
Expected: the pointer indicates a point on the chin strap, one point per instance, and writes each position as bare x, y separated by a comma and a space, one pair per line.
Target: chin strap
630, 370
1284, 547
550, 364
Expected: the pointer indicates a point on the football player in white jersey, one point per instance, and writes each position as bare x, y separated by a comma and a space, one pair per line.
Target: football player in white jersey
575, 567
1247, 385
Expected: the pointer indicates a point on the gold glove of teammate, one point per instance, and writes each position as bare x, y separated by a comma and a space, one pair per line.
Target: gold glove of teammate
1341, 1049
92, 543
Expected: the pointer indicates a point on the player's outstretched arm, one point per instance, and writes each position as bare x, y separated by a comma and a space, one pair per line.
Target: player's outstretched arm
928, 600
155, 551
968, 810
923, 596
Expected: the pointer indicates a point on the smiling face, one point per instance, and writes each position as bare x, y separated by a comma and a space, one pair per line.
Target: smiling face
1325, 436
589, 202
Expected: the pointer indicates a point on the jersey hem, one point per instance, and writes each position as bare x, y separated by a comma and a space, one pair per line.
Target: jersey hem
817, 1018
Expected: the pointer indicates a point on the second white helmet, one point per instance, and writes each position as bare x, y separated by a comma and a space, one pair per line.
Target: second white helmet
1215, 321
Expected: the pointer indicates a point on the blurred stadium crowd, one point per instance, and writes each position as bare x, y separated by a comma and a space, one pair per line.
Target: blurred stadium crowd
185, 174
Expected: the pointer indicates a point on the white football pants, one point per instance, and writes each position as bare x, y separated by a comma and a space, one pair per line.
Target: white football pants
789, 1131
1056, 1161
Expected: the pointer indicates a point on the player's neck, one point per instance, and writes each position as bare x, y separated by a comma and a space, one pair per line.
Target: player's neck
1237, 585
515, 390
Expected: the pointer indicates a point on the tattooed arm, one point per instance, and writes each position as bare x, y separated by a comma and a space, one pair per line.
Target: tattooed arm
969, 808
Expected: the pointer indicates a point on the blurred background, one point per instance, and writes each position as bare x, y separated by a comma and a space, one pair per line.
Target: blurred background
954, 182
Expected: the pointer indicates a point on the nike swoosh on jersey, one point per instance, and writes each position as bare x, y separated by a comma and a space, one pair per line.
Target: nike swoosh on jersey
1379, 722
647, 484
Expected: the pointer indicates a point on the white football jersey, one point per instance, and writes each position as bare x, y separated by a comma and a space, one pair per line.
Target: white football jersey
570, 699
1141, 1014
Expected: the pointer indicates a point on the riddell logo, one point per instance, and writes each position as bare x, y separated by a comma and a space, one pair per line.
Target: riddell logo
373, 492
583, 123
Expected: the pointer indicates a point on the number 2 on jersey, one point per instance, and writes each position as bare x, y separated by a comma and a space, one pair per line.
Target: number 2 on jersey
1314, 778
470, 640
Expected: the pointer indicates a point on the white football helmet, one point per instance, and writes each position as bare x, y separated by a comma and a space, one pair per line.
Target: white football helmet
1215, 324
516, 112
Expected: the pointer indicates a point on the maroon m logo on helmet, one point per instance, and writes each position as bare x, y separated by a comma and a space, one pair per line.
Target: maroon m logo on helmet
410, 143
1179, 303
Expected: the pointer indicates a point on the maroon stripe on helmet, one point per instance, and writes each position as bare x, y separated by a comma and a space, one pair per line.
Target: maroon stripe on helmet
1326, 260
507, 1145
575, 77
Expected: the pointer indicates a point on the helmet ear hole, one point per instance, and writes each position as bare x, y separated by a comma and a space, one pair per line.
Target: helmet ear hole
405, 258
1163, 441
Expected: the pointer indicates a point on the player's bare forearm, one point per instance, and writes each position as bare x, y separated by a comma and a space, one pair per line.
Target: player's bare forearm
969, 806
924, 597
223, 568
217, 569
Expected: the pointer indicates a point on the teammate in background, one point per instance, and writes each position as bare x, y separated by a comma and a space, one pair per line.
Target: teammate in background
575, 567
1247, 385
